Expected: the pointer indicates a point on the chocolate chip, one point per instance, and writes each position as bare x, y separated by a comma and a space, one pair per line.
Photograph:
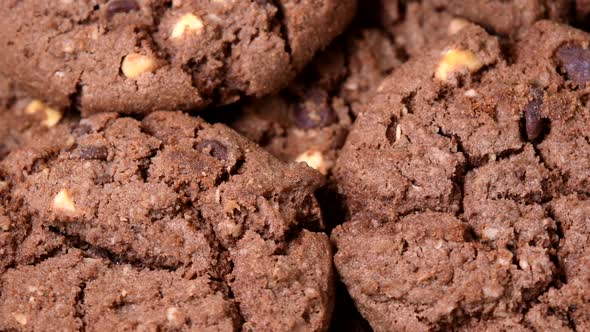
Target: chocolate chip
575, 62
93, 152
213, 148
120, 6
534, 124
314, 110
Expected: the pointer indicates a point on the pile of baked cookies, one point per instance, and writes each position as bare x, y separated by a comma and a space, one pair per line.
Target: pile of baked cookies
294, 165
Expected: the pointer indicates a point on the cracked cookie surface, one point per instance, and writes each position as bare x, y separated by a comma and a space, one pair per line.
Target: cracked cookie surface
466, 183
71, 292
131, 56
189, 201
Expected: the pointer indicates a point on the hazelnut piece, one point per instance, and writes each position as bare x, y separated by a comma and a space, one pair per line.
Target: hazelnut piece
135, 64
315, 160
454, 60
52, 116
187, 23
63, 202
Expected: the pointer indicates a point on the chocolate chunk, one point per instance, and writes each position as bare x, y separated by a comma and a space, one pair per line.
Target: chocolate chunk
213, 148
534, 124
93, 152
314, 111
120, 6
575, 62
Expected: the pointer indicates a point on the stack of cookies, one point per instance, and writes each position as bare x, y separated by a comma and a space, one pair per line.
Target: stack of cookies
295, 165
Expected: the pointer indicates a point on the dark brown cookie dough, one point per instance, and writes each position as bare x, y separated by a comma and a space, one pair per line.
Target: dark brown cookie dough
132, 56
173, 193
464, 141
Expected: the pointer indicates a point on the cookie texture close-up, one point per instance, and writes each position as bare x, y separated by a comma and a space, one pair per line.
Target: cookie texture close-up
295, 165
134, 56
458, 179
194, 203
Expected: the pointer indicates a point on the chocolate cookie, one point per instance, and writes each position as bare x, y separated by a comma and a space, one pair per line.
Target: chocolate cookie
133, 56
454, 179
309, 120
172, 193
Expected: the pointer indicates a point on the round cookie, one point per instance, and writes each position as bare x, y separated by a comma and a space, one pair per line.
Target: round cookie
458, 179
172, 193
134, 56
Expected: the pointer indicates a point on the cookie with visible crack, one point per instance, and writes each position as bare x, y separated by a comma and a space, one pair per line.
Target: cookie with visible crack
73, 292
453, 178
171, 192
134, 56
